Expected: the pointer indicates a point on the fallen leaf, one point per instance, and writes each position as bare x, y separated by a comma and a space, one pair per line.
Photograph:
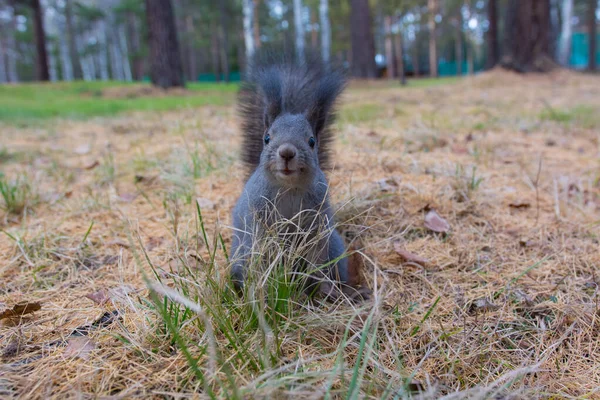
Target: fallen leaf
435, 223
21, 309
105, 320
520, 204
83, 149
91, 165
205, 204
13, 347
144, 179
388, 184
100, 297
118, 242
408, 256
482, 305
127, 197
80, 347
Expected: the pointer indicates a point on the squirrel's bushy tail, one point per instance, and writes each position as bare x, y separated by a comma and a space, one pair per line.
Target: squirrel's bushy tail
276, 85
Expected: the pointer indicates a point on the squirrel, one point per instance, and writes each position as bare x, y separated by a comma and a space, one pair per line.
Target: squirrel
287, 110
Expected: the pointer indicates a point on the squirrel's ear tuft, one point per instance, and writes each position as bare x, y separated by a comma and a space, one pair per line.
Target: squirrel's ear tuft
270, 86
327, 90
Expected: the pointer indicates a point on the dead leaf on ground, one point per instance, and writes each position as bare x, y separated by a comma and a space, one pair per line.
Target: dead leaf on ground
80, 347
435, 223
482, 305
21, 309
388, 184
100, 297
104, 321
91, 165
408, 256
520, 204
83, 149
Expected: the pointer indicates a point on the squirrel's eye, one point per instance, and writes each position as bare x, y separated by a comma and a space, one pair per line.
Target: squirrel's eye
267, 138
312, 142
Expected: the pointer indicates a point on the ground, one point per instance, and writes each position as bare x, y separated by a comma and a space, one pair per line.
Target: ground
501, 302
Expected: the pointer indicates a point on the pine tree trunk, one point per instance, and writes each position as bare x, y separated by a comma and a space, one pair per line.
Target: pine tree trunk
564, 48
527, 47
223, 40
492, 35
256, 24
11, 50
124, 54
41, 60
248, 11
400, 57
116, 58
299, 31
76, 67
416, 63
363, 46
165, 60
592, 6
389, 48
325, 26
191, 48
458, 44
103, 51
214, 50
3, 73
433, 61
314, 35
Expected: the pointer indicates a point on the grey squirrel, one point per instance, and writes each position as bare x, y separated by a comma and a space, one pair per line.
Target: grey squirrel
287, 110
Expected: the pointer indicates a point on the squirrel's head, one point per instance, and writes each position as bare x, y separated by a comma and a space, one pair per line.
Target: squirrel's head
290, 151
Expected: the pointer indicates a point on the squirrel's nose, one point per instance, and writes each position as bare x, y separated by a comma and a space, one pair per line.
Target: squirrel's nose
287, 152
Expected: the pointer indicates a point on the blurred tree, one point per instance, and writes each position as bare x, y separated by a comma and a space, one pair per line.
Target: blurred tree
256, 24
299, 30
564, 48
432, 6
492, 35
325, 27
592, 7
165, 60
528, 36
249, 40
363, 46
389, 48
75, 65
223, 39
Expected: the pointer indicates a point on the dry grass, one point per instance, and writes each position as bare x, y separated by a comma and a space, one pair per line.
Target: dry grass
506, 305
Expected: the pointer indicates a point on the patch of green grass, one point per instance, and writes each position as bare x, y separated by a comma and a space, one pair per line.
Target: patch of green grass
585, 116
25, 103
359, 113
16, 195
430, 82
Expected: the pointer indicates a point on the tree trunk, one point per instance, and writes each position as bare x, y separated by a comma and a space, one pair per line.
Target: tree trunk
400, 57
165, 60
433, 61
389, 47
416, 63
41, 61
592, 6
3, 74
11, 49
103, 51
116, 58
470, 58
256, 24
214, 50
248, 11
325, 26
125, 54
76, 67
492, 35
191, 48
223, 40
314, 35
363, 46
458, 44
564, 48
299, 31
528, 36
135, 46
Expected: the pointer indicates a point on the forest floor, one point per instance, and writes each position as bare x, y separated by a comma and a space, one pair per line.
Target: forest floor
476, 205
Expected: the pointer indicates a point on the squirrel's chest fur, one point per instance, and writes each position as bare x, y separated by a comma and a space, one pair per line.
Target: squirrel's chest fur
273, 204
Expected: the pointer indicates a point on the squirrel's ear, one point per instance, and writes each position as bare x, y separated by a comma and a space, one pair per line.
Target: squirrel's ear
272, 110
317, 117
